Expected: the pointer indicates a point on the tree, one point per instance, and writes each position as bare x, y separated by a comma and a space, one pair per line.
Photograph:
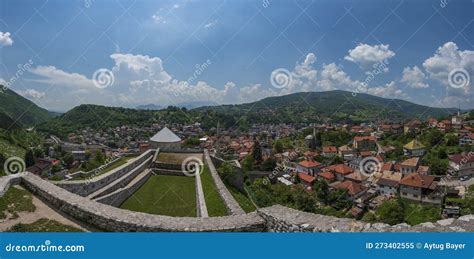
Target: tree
247, 163
268, 165
257, 152
321, 190
278, 146
29, 158
391, 212
226, 171
68, 159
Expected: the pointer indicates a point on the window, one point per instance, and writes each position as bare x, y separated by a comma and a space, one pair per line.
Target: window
404, 193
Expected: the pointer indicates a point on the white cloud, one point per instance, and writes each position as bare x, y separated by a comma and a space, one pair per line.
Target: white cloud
5, 39
390, 90
367, 56
32, 94
54, 76
414, 77
211, 24
158, 19
446, 59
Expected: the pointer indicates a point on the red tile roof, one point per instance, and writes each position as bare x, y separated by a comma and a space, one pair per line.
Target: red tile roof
327, 175
309, 163
306, 178
417, 180
340, 169
330, 149
465, 158
351, 187
387, 167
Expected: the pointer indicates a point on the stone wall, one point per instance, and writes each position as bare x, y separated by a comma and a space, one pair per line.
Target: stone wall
233, 208
108, 218
119, 196
7, 181
201, 206
86, 187
282, 219
274, 219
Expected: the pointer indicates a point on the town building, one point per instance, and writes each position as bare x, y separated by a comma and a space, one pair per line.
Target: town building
387, 184
364, 143
414, 148
309, 167
165, 139
462, 164
420, 188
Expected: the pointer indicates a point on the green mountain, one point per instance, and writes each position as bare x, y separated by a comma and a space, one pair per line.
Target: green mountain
336, 106
21, 109
307, 107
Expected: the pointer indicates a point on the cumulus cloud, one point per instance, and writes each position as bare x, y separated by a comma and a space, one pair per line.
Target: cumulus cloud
141, 79
449, 58
367, 56
5, 39
414, 77
389, 90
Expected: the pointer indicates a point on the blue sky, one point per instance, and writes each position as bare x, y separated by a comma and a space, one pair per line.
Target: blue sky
169, 52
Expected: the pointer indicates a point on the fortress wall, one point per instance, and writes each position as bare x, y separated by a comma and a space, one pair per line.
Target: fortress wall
282, 219
86, 187
108, 218
119, 196
233, 207
273, 219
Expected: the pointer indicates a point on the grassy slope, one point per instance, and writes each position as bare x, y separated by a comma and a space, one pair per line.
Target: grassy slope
16, 200
22, 109
43, 225
215, 205
244, 201
165, 195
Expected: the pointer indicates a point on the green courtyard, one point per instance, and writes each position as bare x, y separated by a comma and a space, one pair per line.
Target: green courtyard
165, 195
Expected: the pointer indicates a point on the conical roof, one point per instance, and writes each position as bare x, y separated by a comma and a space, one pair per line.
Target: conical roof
165, 135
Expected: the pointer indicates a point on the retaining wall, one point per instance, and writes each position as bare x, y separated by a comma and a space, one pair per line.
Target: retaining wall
119, 196
86, 187
233, 208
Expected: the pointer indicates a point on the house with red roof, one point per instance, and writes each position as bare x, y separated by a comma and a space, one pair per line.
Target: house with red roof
410, 165
306, 180
326, 176
339, 170
420, 188
309, 167
387, 184
354, 190
329, 151
364, 143
462, 164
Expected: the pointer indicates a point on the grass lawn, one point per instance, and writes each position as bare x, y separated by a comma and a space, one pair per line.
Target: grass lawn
176, 158
215, 205
43, 225
15, 200
165, 195
244, 201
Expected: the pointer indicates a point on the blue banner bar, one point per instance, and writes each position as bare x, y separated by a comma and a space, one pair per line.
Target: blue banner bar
237, 245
